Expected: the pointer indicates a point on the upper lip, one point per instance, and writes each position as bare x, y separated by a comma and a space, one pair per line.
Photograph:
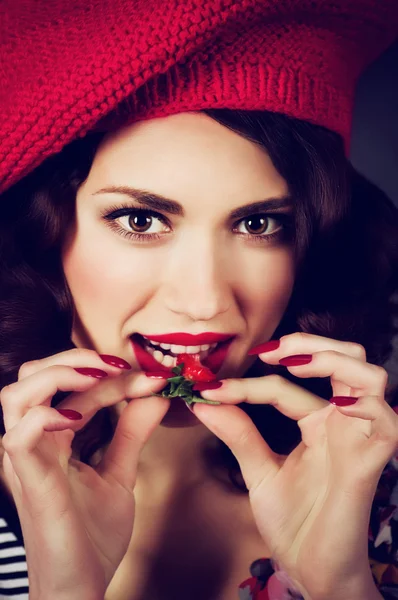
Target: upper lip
187, 339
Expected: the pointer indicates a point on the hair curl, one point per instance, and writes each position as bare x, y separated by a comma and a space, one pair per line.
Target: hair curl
345, 232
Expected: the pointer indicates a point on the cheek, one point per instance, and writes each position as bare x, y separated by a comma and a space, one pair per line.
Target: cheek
269, 282
100, 274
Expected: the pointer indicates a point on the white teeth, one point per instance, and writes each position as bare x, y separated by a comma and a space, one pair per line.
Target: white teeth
164, 346
177, 349
206, 347
193, 349
190, 349
158, 355
167, 361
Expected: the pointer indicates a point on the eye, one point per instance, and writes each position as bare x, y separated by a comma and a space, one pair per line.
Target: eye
142, 222
258, 224
140, 225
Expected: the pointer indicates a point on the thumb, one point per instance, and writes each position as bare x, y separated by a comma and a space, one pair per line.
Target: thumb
236, 429
136, 424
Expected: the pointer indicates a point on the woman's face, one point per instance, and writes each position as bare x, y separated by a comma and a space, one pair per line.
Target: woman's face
198, 265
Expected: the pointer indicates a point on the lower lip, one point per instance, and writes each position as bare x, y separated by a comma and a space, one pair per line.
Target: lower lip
213, 361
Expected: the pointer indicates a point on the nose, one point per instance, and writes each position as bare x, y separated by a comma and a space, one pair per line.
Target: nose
195, 283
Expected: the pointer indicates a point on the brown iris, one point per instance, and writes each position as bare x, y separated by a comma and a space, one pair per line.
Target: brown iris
256, 224
140, 222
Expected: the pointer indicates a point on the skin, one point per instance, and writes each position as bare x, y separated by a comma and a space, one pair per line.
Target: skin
313, 503
202, 277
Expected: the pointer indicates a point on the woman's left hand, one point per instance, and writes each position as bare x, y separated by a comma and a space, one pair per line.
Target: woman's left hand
312, 507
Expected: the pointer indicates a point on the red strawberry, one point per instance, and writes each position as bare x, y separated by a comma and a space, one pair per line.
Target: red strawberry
193, 368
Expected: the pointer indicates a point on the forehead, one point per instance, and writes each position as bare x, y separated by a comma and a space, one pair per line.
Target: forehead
187, 157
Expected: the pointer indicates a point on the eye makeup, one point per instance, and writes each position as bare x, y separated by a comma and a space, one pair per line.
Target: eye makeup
115, 212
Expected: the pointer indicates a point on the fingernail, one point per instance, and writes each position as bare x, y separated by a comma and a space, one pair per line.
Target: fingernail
343, 400
91, 372
190, 407
296, 360
266, 347
158, 374
201, 386
115, 361
73, 415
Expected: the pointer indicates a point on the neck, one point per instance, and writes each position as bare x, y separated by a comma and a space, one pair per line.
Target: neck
177, 443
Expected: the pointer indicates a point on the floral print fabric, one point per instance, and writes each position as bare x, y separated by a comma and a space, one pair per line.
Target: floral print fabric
270, 583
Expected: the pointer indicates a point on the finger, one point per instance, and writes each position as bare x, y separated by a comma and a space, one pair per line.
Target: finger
377, 439
77, 357
34, 470
290, 399
135, 425
358, 375
112, 391
308, 343
93, 395
19, 397
236, 429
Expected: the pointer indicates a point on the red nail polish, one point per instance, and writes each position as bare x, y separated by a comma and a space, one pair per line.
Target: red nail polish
115, 361
343, 400
73, 415
201, 386
266, 347
296, 360
158, 374
91, 372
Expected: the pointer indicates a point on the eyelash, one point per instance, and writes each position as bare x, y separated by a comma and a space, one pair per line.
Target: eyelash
115, 212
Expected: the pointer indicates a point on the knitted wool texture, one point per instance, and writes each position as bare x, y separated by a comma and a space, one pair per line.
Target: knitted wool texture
70, 67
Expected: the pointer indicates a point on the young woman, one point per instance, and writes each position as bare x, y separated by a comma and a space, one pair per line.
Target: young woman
241, 236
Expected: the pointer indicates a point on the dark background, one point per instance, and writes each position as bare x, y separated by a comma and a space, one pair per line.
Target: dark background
374, 145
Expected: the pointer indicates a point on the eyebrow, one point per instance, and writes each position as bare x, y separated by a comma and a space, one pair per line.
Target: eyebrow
159, 202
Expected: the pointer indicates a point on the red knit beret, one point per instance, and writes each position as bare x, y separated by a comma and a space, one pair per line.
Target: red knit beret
69, 67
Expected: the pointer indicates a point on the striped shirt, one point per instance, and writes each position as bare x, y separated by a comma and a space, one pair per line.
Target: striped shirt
13, 568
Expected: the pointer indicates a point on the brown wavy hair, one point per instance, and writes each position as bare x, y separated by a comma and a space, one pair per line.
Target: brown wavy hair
345, 243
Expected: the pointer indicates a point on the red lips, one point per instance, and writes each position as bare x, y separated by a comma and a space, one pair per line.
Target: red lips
187, 339
213, 361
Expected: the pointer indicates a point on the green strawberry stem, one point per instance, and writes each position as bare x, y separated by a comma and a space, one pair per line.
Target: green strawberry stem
200, 400
179, 387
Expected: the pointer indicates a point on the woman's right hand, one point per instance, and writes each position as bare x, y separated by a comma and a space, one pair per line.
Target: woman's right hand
76, 520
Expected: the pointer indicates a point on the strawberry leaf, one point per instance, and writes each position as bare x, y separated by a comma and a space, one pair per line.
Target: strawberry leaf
180, 387
178, 379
